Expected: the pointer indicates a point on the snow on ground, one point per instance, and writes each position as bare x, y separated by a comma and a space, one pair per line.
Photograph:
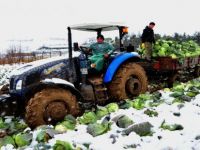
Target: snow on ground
5, 71
162, 139
187, 115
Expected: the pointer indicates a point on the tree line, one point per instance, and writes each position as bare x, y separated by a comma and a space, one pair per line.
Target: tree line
135, 40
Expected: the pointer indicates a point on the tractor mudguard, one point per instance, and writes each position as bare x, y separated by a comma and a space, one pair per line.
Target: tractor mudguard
64, 84
58, 81
116, 63
55, 82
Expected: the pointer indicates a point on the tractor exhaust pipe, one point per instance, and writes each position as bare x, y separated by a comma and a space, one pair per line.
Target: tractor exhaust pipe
70, 43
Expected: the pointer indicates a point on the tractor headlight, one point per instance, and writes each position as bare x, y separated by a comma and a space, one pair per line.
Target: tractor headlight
19, 85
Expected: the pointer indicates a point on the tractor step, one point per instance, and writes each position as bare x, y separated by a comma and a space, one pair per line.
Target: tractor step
100, 90
96, 81
101, 93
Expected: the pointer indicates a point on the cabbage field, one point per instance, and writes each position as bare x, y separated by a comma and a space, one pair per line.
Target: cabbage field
166, 119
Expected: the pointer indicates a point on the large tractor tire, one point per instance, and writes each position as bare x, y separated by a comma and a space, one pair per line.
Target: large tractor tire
50, 106
129, 81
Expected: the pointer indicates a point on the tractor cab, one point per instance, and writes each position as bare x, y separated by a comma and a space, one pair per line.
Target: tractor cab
98, 28
93, 84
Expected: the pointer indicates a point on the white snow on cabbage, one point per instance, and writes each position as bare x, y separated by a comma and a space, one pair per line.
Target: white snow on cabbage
181, 140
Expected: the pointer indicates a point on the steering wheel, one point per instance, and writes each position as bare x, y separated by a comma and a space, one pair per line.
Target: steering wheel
85, 50
113, 51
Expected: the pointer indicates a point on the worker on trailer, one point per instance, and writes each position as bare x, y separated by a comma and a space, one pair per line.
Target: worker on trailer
148, 40
100, 51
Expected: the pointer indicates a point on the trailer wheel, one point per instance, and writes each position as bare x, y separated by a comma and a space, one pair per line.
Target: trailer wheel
171, 79
50, 106
129, 81
197, 71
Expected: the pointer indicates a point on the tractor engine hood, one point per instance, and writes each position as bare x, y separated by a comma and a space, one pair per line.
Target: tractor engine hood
34, 72
36, 64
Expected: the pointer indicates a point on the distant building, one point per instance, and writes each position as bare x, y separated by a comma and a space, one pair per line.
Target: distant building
52, 48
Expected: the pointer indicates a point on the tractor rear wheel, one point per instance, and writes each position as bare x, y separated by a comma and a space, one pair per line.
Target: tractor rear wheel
129, 81
50, 106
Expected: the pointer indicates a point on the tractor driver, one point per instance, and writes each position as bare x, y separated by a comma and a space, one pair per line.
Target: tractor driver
100, 51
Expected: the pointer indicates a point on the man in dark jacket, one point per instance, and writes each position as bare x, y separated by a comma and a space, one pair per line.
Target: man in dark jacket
148, 40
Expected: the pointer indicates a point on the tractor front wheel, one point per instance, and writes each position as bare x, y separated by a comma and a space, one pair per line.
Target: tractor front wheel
50, 106
129, 81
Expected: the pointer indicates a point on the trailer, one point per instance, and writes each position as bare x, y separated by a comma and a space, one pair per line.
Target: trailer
170, 64
168, 70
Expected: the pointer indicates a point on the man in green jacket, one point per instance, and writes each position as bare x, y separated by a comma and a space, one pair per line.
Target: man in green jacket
100, 51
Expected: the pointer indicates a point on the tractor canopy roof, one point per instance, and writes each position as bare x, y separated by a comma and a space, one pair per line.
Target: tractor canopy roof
94, 27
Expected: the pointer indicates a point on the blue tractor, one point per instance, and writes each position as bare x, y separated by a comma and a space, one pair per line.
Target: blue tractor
46, 90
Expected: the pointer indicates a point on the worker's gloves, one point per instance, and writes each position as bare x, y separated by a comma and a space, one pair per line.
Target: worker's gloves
142, 45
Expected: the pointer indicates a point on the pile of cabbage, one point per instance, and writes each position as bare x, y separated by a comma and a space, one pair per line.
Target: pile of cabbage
174, 49
17, 134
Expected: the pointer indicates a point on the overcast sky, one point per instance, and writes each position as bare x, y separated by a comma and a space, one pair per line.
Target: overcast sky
40, 19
